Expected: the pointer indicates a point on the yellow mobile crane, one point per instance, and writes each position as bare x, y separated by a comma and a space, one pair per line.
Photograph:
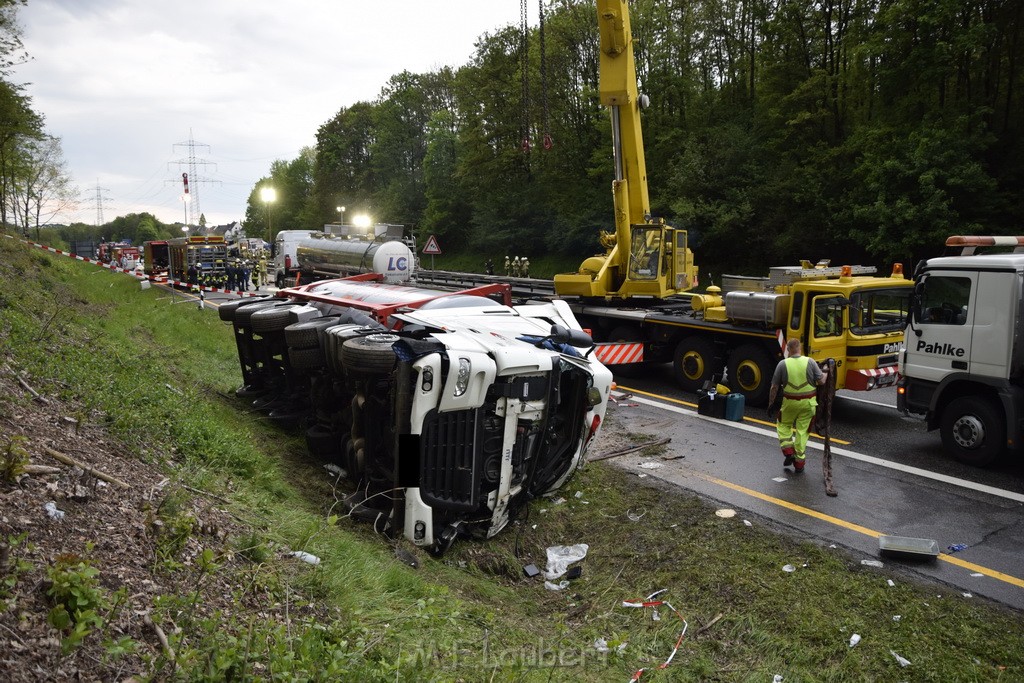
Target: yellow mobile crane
645, 257
629, 297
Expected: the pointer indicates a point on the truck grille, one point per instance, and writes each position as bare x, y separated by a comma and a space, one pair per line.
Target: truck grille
450, 451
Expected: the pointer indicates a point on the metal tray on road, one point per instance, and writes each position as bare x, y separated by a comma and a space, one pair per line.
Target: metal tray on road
909, 548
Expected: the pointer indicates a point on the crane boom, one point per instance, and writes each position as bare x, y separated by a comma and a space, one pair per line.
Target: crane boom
644, 256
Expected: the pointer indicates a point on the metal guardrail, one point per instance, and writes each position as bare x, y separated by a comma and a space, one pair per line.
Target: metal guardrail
521, 286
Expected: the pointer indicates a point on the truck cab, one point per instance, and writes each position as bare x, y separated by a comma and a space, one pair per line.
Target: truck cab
963, 360
285, 259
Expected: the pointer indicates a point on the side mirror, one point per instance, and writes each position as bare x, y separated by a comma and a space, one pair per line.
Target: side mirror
576, 338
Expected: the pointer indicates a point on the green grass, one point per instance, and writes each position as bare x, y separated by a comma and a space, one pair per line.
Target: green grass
160, 376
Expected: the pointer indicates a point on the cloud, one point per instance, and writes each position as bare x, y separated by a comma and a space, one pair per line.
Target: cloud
120, 82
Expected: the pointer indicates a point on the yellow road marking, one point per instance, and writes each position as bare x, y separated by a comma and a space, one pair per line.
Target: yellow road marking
770, 425
1013, 580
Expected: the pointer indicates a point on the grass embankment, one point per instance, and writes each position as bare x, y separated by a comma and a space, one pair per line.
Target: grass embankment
161, 376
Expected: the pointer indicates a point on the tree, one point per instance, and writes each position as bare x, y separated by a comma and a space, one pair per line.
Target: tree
41, 188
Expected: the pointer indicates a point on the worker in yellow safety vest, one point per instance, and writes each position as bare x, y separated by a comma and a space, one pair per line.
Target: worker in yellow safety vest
798, 377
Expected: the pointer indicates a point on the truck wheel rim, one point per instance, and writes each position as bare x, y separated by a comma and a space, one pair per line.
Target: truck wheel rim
748, 375
693, 365
969, 432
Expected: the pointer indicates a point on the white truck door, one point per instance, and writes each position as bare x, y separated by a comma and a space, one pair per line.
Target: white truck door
939, 343
991, 338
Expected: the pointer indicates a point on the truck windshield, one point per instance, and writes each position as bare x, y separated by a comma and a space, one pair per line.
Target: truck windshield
874, 311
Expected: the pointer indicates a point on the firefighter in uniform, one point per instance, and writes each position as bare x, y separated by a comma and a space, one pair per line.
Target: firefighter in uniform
508, 266
797, 377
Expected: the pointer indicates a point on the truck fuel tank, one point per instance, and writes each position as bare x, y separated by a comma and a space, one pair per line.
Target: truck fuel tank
760, 307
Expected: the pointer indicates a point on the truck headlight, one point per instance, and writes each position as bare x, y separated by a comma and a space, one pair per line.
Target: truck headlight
427, 379
462, 380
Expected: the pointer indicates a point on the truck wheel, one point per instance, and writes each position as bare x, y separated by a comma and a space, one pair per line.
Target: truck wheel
694, 363
272, 320
279, 281
369, 356
973, 430
750, 371
306, 335
625, 333
306, 359
227, 311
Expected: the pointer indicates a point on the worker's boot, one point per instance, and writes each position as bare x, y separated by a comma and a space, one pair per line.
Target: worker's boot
788, 453
798, 465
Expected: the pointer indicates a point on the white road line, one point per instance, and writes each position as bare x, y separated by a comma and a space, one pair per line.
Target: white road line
846, 453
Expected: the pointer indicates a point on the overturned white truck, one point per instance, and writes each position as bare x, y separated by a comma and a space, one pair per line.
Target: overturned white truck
449, 411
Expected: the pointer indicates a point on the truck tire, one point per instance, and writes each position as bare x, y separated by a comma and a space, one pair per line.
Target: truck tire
626, 333
973, 430
335, 338
323, 442
227, 311
277, 318
306, 359
750, 372
306, 335
693, 363
243, 314
369, 356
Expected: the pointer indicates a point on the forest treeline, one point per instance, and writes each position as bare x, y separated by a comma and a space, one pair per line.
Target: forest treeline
778, 129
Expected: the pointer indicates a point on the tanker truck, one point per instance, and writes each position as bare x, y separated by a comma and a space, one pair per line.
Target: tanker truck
448, 411
302, 256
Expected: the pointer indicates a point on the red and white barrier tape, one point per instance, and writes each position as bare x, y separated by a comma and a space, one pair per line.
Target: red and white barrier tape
650, 602
133, 273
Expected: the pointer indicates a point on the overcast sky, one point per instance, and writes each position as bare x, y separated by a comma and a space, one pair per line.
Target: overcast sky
121, 82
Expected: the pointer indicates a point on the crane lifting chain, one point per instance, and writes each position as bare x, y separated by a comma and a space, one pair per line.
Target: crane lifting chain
524, 57
548, 143
524, 68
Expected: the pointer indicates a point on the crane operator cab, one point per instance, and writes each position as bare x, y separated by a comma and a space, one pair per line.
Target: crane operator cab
645, 252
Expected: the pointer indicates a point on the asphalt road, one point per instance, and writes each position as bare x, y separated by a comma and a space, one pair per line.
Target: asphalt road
891, 475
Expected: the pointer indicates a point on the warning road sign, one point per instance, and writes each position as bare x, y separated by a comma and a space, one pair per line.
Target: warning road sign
431, 246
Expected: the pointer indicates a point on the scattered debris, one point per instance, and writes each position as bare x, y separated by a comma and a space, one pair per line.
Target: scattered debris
305, 557
561, 556
651, 602
977, 575
558, 501
854, 640
872, 563
53, 512
968, 595
407, 558
560, 586
635, 516
577, 571
725, 513
531, 570
901, 660
897, 617
650, 465
777, 678
788, 568
958, 547
910, 548
747, 522
601, 645
579, 494
335, 471
890, 582
614, 454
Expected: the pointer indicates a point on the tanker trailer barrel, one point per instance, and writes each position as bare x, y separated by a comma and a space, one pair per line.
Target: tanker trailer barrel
333, 256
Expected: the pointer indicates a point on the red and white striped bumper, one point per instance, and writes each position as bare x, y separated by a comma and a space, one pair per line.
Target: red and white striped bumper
619, 353
866, 380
